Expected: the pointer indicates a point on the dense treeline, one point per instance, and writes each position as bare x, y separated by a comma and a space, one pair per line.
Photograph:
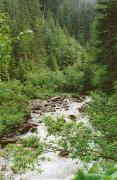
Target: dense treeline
104, 43
41, 56
41, 45
75, 16
47, 47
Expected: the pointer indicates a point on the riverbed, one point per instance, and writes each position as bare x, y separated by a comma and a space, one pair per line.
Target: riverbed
53, 166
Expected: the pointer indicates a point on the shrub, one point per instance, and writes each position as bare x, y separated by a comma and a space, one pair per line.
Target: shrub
74, 80
73, 137
25, 156
12, 105
93, 174
103, 113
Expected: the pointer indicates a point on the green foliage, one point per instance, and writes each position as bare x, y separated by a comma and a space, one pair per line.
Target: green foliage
23, 53
103, 113
61, 48
104, 49
100, 74
75, 80
73, 137
25, 156
46, 80
54, 127
5, 47
1, 177
76, 139
33, 142
37, 48
73, 16
110, 174
12, 105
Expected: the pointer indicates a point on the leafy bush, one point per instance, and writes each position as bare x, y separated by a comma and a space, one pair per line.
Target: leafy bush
110, 174
73, 137
5, 47
103, 114
75, 80
12, 105
34, 142
60, 47
46, 79
54, 126
25, 156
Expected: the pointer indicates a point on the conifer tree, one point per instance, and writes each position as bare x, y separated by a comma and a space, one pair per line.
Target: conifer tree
5, 48
105, 43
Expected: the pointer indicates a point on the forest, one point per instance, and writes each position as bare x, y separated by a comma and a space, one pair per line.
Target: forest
58, 89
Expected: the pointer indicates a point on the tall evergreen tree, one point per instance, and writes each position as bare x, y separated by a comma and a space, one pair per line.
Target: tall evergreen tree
5, 48
105, 42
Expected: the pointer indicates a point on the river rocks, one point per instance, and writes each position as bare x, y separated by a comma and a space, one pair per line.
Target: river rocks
36, 111
58, 107
50, 109
78, 99
25, 128
82, 108
72, 117
10, 140
3, 168
55, 99
63, 153
33, 129
53, 105
35, 105
21, 129
65, 102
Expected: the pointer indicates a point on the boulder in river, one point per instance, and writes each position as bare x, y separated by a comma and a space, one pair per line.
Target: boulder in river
63, 153
82, 108
55, 99
65, 102
72, 117
10, 140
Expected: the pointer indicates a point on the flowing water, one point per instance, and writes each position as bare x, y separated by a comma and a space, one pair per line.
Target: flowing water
56, 168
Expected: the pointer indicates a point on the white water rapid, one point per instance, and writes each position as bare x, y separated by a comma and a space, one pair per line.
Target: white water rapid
56, 168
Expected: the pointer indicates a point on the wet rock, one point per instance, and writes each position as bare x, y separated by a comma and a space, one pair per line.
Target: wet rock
47, 104
18, 130
78, 99
54, 99
37, 105
36, 111
72, 117
3, 168
66, 106
50, 109
57, 107
82, 108
66, 109
40, 121
53, 105
25, 129
65, 102
83, 97
41, 113
33, 129
10, 140
63, 153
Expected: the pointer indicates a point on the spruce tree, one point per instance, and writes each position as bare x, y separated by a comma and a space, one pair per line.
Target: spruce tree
5, 48
105, 43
